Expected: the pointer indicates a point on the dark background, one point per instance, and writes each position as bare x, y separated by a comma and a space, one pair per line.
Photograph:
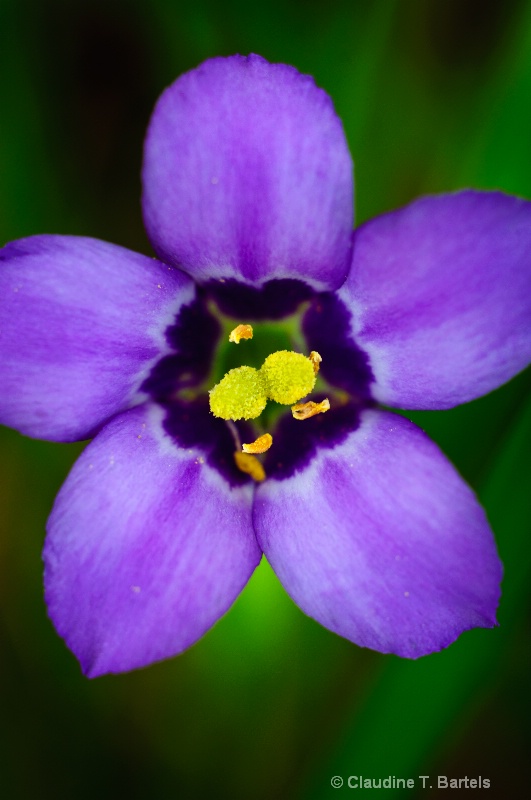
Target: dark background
434, 96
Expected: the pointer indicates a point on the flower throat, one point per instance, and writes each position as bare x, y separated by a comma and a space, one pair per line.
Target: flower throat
285, 377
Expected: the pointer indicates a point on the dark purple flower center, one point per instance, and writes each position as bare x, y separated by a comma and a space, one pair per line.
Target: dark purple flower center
177, 380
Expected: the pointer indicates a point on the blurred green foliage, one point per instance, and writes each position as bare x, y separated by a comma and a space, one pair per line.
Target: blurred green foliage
434, 97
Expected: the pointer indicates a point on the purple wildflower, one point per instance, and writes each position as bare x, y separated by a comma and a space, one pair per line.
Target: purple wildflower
248, 191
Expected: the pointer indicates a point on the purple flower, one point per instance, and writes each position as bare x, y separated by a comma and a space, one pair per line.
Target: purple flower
248, 191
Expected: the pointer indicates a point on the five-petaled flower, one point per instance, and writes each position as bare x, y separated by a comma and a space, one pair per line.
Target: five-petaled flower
248, 202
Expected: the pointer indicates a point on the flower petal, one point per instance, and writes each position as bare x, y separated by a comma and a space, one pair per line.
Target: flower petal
381, 541
441, 297
247, 175
81, 321
147, 547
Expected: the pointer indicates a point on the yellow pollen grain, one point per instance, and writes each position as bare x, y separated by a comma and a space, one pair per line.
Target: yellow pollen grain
250, 465
241, 332
316, 359
260, 445
310, 409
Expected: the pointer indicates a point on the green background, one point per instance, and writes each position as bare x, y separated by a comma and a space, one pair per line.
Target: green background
434, 96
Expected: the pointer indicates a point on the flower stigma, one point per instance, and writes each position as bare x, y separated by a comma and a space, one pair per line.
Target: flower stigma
288, 376
241, 394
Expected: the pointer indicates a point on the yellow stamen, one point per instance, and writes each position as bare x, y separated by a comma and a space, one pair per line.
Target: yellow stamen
316, 359
241, 332
250, 465
310, 409
260, 445
284, 377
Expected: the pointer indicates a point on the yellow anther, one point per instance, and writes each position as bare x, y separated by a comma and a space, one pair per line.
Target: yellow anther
287, 376
260, 445
316, 359
310, 409
239, 395
241, 332
250, 465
